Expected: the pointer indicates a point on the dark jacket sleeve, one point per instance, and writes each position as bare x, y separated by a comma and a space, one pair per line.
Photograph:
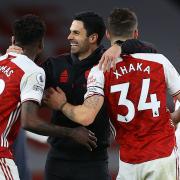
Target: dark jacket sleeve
47, 66
136, 46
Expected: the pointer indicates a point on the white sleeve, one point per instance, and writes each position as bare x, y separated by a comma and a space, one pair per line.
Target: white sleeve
95, 83
32, 86
177, 105
172, 78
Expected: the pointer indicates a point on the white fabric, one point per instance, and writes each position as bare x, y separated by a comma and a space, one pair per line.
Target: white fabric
31, 87
33, 82
8, 170
95, 82
160, 169
37, 137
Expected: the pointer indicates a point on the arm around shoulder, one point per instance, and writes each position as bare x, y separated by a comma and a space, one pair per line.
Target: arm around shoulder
32, 122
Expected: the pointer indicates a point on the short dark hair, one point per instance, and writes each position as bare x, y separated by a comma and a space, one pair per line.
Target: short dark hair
28, 29
122, 22
93, 23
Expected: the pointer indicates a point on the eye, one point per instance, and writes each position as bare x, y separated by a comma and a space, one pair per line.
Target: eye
76, 32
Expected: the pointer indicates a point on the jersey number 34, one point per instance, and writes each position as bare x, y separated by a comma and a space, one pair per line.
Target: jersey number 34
154, 104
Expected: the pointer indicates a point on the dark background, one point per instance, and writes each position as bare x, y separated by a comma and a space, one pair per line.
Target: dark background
159, 23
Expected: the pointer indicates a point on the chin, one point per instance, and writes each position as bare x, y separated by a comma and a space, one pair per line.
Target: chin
74, 51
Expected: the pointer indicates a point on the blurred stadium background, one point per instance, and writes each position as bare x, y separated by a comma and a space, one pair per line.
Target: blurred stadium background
158, 24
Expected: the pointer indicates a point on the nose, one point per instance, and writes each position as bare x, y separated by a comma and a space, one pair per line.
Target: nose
70, 36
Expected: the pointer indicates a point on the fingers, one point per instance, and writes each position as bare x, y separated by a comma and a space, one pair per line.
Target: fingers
88, 147
167, 109
59, 90
14, 49
114, 64
85, 137
108, 66
45, 101
93, 138
105, 64
91, 133
49, 91
92, 144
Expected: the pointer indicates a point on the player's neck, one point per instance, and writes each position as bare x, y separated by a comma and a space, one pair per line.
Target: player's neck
29, 50
121, 38
117, 38
30, 53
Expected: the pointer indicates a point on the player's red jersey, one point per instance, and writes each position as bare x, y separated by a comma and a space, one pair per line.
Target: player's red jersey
136, 98
20, 80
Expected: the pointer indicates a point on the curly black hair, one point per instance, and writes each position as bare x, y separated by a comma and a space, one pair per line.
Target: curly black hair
28, 29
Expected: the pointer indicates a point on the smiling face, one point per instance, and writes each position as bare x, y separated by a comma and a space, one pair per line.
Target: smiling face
79, 41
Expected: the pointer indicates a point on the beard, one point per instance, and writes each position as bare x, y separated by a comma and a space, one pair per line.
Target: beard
74, 50
80, 49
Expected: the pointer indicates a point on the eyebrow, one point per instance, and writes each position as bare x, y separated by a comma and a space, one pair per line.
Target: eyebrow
75, 31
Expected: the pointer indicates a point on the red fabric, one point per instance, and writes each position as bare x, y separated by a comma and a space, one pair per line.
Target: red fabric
10, 75
144, 137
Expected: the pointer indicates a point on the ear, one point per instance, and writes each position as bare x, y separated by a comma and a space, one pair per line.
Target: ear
93, 38
136, 34
41, 45
107, 35
12, 40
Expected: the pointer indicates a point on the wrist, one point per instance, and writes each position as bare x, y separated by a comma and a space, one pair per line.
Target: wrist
62, 105
68, 132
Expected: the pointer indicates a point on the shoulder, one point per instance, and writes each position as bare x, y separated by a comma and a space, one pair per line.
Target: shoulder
96, 69
59, 57
96, 73
159, 58
96, 77
26, 64
55, 60
3, 57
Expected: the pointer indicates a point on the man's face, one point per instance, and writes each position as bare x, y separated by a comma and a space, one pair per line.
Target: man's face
78, 38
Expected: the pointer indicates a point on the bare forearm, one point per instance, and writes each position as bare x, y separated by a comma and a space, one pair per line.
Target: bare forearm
75, 113
32, 122
68, 111
42, 128
84, 114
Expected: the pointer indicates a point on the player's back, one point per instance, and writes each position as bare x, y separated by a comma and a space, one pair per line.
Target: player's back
136, 95
13, 68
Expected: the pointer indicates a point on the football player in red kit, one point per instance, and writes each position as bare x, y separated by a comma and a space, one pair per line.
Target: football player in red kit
21, 89
136, 97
